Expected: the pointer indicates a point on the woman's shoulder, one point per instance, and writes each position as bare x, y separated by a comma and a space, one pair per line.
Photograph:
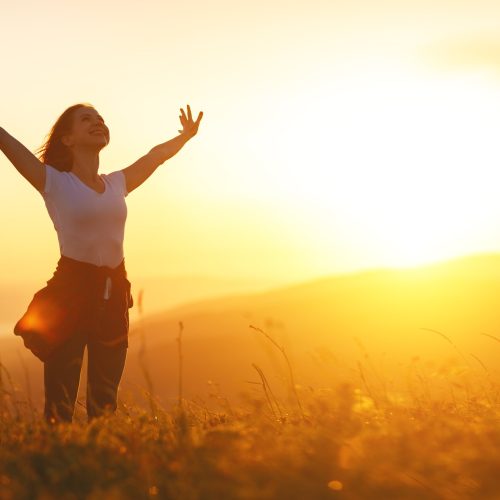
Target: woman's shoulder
55, 170
53, 178
117, 179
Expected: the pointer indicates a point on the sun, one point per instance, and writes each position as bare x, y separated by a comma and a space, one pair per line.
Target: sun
400, 166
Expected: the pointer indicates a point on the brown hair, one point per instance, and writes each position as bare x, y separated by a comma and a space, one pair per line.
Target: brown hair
53, 152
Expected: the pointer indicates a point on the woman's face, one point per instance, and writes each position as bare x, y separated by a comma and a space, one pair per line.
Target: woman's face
88, 130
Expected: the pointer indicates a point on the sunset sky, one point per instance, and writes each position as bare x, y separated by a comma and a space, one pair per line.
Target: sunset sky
337, 135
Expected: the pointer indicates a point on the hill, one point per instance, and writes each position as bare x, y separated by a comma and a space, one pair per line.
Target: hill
391, 317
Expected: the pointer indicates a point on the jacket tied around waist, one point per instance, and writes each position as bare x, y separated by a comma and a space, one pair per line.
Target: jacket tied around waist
73, 300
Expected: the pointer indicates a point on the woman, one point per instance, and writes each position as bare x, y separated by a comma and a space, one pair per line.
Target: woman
86, 301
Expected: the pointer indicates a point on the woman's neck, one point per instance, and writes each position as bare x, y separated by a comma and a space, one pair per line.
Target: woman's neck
86, 164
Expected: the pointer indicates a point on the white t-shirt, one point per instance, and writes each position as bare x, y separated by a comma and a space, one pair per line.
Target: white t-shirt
90, 226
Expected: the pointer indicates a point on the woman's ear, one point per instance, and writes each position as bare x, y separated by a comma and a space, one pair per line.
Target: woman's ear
66, 140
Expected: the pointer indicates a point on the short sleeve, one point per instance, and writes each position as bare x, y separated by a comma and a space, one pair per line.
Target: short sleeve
118, 179
50, 179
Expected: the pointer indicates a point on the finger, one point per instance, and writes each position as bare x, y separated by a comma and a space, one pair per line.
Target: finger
183, 114
189, 113
200, 115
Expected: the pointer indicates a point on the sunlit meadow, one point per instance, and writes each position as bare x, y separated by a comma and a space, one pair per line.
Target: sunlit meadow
338, 136
434, 434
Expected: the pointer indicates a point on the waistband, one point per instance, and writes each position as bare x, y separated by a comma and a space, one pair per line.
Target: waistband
67, 264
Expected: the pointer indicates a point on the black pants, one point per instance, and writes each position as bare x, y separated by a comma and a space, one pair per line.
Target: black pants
62, 377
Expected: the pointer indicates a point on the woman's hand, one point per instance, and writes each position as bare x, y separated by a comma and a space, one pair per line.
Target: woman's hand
190, 128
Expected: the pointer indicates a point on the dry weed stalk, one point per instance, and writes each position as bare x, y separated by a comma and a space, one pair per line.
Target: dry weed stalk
143, 362
267, 391
179, 349
290, 371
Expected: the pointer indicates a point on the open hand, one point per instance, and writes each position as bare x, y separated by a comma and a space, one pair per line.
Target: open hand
190, 128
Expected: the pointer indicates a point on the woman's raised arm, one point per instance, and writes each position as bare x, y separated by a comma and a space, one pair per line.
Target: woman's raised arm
140, 170
28, 165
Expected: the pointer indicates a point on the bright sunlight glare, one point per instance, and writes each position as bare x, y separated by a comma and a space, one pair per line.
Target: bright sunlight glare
407, 161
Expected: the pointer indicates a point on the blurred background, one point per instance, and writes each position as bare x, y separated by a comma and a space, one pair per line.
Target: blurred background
338, 137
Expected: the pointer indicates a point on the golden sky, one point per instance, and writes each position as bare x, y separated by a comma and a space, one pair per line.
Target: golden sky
337, 135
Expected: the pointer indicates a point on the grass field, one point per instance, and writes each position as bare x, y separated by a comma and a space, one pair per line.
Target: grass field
439, 438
